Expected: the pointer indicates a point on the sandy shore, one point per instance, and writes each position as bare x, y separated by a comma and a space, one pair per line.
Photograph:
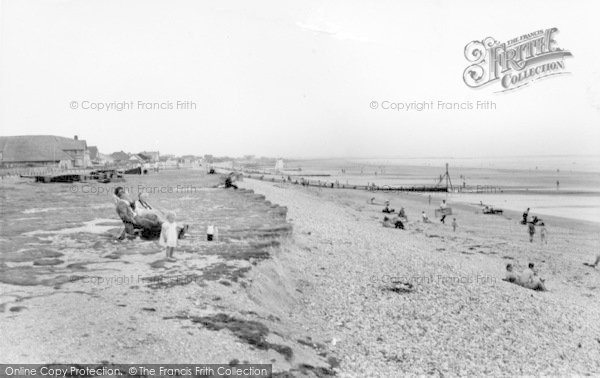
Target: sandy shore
461, 318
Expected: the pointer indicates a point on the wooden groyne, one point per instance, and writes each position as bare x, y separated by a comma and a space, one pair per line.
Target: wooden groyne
337, 185
308, 182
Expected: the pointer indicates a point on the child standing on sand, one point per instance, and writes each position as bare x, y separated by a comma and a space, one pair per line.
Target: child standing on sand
454, 224
531, 229
543, 233
168, 235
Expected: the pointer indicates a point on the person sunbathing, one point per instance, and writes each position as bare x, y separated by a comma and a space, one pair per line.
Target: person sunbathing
530, 280
527, 279
595, 264
510, 274
398, 223
491, 210
393, 223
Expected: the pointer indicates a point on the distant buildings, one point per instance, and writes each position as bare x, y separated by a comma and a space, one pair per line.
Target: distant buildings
150, 156
119, 157
43, 150
124, 158
56, 151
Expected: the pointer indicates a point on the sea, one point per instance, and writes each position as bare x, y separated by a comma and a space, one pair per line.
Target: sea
563, 186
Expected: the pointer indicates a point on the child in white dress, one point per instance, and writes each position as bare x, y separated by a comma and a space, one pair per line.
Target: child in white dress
168, 235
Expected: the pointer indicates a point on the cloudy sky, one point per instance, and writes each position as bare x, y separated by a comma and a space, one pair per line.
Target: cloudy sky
292, 79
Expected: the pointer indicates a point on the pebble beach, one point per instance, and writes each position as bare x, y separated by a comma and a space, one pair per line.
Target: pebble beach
303, 278
459, 318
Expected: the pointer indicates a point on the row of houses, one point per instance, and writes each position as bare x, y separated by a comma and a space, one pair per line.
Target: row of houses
56, 151
125, 158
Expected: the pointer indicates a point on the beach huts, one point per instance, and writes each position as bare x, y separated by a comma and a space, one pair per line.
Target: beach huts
43, 150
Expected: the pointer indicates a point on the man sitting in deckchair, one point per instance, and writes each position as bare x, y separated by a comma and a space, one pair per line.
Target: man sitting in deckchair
149, 224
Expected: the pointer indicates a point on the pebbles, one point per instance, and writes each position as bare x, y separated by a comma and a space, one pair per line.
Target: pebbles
395, 303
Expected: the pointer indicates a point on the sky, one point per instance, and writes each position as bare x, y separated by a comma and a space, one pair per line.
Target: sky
292, 79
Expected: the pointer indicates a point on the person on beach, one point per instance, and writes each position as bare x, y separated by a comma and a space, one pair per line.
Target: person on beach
393, 223
511, 276
229, 181
424, 217
387, 209
147, 224
595, 264
126, 213
530, 279
398, 223
443, 207
525, 216
454, 224
527, 274
169, 236
531, 229
543, 233
402, 213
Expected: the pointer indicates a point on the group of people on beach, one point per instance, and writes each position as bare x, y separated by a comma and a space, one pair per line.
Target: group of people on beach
528, 278
396, 221
531, 225
149, 222
142, 219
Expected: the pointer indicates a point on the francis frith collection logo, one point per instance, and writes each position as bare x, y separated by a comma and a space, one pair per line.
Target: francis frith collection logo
515, 63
